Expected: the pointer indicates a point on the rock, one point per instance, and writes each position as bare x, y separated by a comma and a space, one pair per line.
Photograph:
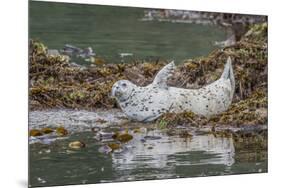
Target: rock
98, 61
76, 145
122, 137
114, 146
105, 135
61, 131
47, 130
35, 132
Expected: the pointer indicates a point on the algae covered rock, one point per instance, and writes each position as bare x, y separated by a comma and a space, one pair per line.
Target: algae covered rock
122, 137
114, 146
61, 131
47, 130
76, 144
35, 132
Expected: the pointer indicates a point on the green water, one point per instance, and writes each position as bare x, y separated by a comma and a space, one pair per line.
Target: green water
114, 30
141, 158
170, 157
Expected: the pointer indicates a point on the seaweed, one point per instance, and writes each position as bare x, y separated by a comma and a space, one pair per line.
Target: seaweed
55, 83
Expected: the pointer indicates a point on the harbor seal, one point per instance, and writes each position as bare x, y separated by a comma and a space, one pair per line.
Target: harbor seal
148, 103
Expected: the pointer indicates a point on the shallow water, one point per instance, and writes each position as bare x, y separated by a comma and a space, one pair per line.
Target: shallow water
114, 30
151, 154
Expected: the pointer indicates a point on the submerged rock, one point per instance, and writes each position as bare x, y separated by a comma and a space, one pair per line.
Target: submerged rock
76, 144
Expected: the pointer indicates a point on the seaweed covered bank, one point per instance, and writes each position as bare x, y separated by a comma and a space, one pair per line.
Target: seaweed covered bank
55, 82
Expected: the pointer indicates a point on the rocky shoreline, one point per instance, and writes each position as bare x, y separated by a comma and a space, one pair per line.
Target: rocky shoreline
56, 83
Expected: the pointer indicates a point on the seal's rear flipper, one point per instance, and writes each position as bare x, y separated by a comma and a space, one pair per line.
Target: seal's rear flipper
228, 73
162, 76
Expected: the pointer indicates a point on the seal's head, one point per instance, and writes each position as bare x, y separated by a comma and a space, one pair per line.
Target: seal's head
122, 90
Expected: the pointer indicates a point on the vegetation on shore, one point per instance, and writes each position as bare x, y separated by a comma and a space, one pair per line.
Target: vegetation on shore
56, 83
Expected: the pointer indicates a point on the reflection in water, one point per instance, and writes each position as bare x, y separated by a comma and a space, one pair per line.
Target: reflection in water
156, 154
169, 152
151, 154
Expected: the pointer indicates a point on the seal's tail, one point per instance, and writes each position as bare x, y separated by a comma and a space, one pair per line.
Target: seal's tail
228, 73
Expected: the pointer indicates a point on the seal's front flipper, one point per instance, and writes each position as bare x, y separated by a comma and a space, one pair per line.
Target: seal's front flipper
162, 76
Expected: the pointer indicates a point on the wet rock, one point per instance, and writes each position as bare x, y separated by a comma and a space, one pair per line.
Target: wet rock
98, 61
123, 137
35, 132
104, 135
114, 146
47, 130
61, 131
76, 144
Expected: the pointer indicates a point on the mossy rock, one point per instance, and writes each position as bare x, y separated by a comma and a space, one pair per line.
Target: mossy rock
114, 146
47, 130
61, 131
35, 132
122, 137
76, 144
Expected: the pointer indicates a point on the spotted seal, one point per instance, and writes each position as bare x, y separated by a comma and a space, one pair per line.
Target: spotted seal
149, 102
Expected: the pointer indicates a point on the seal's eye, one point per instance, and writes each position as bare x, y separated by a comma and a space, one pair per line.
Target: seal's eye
124, 84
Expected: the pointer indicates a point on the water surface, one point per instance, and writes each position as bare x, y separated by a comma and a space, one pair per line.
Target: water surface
151, 154
114, 30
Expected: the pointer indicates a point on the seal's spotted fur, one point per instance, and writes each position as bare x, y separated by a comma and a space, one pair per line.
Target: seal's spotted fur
149, 102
